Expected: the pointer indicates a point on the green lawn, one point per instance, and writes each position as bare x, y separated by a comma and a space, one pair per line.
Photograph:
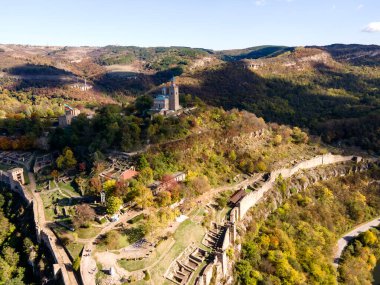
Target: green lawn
68, 189
47, 200
186, 233
74, 248
90, 232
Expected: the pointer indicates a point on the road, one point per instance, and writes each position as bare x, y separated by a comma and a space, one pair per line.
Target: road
344, 240
88, 263
58, 251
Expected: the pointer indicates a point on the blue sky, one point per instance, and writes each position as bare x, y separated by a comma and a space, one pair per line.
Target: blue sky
216, 24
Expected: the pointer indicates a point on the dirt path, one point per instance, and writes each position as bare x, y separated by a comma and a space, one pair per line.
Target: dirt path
344, 240
88, 267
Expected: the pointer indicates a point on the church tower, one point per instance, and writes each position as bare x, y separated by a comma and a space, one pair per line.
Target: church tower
173, 96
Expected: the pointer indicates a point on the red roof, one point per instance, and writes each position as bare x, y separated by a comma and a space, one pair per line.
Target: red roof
128, 174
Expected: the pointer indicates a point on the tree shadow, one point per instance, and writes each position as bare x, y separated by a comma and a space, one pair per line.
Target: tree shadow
40, 76
134, 83
281, 100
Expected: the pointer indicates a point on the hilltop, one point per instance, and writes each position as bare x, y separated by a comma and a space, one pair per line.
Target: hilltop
332, 90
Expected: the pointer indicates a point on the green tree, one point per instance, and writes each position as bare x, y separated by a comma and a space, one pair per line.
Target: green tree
113, 205
66, 160
76, 264
143, 162
143, 103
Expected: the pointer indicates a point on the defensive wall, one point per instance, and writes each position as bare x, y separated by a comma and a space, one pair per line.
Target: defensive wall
239, 212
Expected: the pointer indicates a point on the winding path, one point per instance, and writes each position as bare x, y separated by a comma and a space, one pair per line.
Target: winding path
344, 240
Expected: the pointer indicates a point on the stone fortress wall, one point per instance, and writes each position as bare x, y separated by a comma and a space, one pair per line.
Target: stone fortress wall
352, 164
251, 199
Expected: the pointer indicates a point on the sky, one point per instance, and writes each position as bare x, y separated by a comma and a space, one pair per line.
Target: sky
214, 24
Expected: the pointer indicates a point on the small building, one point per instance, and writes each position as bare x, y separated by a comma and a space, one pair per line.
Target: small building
237, 196
117, 173
158, 186
128, 174
67, 118
179, 176
13, 177
161, 102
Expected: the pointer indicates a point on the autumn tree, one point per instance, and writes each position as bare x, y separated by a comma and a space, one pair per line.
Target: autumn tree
66, 160
84, 214
144, 198
82, 183
95, 184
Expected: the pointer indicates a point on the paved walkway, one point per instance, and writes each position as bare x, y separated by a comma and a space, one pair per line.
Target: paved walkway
344, 240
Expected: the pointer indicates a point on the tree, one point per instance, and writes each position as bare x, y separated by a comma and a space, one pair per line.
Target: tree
82, 183
164, 198
368, 238
146, 175
95, 184
143, 162
143, 103
113, 205
84, 214
199, 185
76, 264
144, 198
232, 155
55, 174
66, 160
109, 186
277, 140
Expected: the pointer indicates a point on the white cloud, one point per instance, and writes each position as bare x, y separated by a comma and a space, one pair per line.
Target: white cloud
373, 27
361, 6
260, 2
265, 2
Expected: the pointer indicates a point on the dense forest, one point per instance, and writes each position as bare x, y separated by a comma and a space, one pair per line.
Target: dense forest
295, 244
360, 258
22, 261
342, 104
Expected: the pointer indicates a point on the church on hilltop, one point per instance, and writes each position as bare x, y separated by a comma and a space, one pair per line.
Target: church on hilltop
168, 100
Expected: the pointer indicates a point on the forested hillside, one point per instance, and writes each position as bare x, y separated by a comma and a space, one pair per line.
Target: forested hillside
333, 90
295, 244
306, 87
18, 252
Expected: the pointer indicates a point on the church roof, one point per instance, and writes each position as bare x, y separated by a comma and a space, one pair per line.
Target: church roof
161, 97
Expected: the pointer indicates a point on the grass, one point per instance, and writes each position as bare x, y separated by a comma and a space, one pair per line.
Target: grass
187, 233
114, 240
132, 265
68, 189
74, 248
47, 200
85, 233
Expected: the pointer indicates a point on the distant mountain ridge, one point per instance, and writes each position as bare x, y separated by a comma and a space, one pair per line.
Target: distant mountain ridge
333, 90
